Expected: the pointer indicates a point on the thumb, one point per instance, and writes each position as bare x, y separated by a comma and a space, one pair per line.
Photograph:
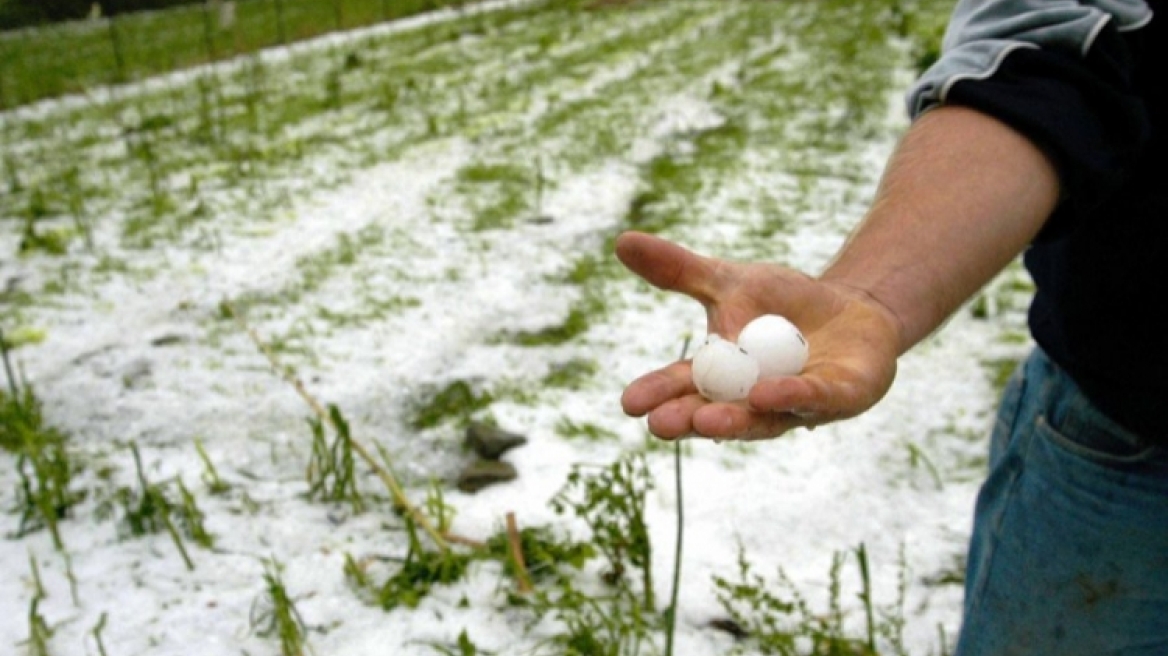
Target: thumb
666, 265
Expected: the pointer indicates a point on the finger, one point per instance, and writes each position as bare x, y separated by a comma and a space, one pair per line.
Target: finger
674, 419
666, 265
828, 394
658, 387
799, 394
735, 421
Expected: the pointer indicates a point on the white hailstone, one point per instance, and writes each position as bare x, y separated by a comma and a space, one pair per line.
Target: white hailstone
722, 371
776, 344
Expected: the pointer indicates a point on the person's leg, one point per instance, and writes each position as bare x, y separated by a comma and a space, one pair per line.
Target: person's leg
1069, 554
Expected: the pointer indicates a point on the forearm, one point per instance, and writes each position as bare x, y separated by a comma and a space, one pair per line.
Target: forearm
961, 197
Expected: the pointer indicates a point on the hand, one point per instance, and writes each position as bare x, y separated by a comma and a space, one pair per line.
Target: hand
853, 346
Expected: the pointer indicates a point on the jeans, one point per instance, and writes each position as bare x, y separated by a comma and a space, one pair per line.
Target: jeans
1069, 553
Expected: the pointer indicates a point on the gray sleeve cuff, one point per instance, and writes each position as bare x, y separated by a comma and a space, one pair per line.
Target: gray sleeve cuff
982, 33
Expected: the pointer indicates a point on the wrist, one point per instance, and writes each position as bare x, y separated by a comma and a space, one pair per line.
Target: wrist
849, 292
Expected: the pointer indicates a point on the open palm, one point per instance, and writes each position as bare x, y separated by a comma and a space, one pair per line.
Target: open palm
853, 345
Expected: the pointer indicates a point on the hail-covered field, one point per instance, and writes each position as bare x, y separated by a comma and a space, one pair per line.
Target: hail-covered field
415, 221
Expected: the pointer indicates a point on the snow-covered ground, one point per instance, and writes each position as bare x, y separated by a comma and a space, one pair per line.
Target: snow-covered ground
394, 209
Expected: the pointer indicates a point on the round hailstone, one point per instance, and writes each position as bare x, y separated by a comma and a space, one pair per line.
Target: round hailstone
776, 343
722, 371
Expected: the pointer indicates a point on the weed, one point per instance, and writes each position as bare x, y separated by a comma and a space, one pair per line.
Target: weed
618, 621
544, 554
150, 509
594, 624
418, 573
612, 503
275, 614
330, 469
776, 619
211, 479
43, 465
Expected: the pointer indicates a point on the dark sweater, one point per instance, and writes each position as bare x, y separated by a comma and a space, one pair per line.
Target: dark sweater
1093, 97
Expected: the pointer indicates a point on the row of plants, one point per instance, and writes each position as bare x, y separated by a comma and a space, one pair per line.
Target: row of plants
53, 60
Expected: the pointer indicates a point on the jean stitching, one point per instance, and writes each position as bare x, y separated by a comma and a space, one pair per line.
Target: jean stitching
1069, 445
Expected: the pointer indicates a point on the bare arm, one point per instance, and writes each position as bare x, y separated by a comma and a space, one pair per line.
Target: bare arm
961, 198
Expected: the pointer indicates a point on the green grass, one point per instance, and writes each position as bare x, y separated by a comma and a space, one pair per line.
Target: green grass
54, 60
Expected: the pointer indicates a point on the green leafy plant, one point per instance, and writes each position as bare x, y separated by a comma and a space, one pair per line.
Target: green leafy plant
619, 618
774, 618
591, 623
414, 575
612, 503
548, 558
412, 579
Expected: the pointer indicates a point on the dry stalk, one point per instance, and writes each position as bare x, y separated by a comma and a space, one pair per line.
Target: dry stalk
522, 580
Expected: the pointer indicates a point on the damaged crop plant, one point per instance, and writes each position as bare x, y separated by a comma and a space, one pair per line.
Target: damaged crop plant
46, 492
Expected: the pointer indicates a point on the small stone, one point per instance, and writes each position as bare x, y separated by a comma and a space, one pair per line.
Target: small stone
484, 473
490, 442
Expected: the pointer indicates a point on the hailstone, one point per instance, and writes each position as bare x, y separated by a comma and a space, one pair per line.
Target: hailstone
776, 344
722, 371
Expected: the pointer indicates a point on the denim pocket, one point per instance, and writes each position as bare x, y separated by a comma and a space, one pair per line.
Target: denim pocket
1075, 425
1070, 421
1098, 446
